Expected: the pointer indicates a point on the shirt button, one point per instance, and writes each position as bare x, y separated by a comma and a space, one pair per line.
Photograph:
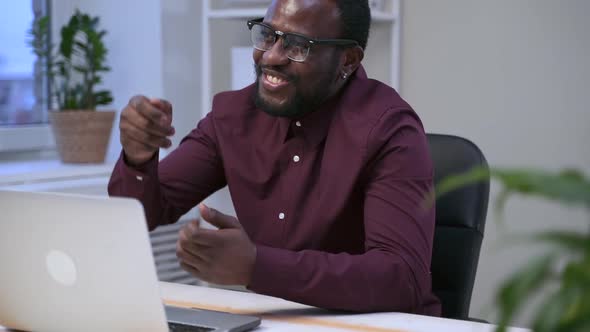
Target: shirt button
296, 159
298, 124
281, 216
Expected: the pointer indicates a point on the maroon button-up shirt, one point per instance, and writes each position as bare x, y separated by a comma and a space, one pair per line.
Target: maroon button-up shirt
333, 201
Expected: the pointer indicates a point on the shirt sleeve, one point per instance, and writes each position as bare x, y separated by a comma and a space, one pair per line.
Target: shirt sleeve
176, 184
393, 272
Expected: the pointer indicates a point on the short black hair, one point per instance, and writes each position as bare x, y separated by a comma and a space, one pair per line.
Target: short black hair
355, 20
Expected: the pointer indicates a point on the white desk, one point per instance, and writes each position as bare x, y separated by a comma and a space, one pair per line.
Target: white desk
281, 315
277, 314
284, 316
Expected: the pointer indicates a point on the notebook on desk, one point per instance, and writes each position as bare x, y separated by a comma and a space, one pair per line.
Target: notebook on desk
81, 263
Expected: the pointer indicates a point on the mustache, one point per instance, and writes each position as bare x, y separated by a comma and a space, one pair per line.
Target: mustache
258, 69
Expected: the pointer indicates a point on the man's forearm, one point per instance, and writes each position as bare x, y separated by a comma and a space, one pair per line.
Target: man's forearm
374, 281
142, 184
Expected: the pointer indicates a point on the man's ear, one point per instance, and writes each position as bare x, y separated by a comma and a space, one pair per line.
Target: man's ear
351, 60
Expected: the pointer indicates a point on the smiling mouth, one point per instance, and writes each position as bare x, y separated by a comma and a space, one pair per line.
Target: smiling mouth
274, 79
274, 83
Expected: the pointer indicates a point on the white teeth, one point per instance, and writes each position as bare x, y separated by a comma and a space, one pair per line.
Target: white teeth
273, 79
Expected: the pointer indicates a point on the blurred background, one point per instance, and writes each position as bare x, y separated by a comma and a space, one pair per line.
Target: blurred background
511, 76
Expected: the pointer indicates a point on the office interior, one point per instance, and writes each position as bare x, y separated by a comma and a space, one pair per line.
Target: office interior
511, 76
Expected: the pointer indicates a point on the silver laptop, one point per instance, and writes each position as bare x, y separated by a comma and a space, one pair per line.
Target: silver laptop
81, 263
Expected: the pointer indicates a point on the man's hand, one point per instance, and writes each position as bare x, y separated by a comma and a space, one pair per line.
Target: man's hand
145, 127
225, 256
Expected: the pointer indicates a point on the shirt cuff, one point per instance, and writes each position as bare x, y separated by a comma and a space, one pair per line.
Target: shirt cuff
130, 181
264, 275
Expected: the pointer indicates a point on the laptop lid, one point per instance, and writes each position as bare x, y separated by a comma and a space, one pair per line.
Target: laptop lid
76, 263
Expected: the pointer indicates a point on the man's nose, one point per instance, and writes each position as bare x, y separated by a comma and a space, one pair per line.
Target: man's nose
276, 55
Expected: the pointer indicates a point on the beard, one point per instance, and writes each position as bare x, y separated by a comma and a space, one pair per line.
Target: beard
299, 104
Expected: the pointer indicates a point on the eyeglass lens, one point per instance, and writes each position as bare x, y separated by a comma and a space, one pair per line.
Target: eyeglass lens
296, 47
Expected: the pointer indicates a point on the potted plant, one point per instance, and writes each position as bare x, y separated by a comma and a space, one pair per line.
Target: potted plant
73, 70
561, 276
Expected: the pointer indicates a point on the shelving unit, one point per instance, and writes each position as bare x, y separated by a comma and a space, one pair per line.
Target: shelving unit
383, 49
382, 56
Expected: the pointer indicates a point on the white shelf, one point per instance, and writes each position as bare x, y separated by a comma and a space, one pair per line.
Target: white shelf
35, 172
237, 13
383, 17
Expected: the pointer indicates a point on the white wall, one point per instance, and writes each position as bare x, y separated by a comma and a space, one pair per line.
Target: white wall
514, 77
134, 41
181, 54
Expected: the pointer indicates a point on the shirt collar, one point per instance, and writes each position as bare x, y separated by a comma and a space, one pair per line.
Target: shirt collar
315, 125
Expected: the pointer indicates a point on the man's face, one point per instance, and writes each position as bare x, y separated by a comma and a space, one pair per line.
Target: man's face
292, 89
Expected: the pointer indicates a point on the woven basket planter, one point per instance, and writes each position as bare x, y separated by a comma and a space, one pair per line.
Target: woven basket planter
82, 136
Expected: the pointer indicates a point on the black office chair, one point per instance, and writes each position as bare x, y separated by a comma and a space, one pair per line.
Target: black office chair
460, 221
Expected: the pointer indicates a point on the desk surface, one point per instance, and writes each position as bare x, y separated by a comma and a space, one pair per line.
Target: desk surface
281, 315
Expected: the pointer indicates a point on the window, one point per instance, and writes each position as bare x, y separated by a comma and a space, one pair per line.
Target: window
23, 90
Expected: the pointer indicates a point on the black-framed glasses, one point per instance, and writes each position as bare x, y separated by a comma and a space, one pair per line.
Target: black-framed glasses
296, 46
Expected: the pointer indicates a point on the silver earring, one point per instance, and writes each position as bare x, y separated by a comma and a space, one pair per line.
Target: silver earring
344, 75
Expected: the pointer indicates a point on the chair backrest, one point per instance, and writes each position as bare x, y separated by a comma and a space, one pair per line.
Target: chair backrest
460, 221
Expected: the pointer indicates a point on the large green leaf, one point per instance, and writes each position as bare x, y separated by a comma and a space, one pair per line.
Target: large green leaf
568, 309
66, 47
565, 242
574, 242
577, 318
517, 290
568, 187
577, 275
549, 316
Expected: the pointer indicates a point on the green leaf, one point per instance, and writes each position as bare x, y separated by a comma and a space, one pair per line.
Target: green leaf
96, 80
66, 46
574, 242
569, 241
577, 274
516, 290
549, 314
455, 182
103, 98
39, 37
81, 69
575, 313
452, 183
577, 319
569, 187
